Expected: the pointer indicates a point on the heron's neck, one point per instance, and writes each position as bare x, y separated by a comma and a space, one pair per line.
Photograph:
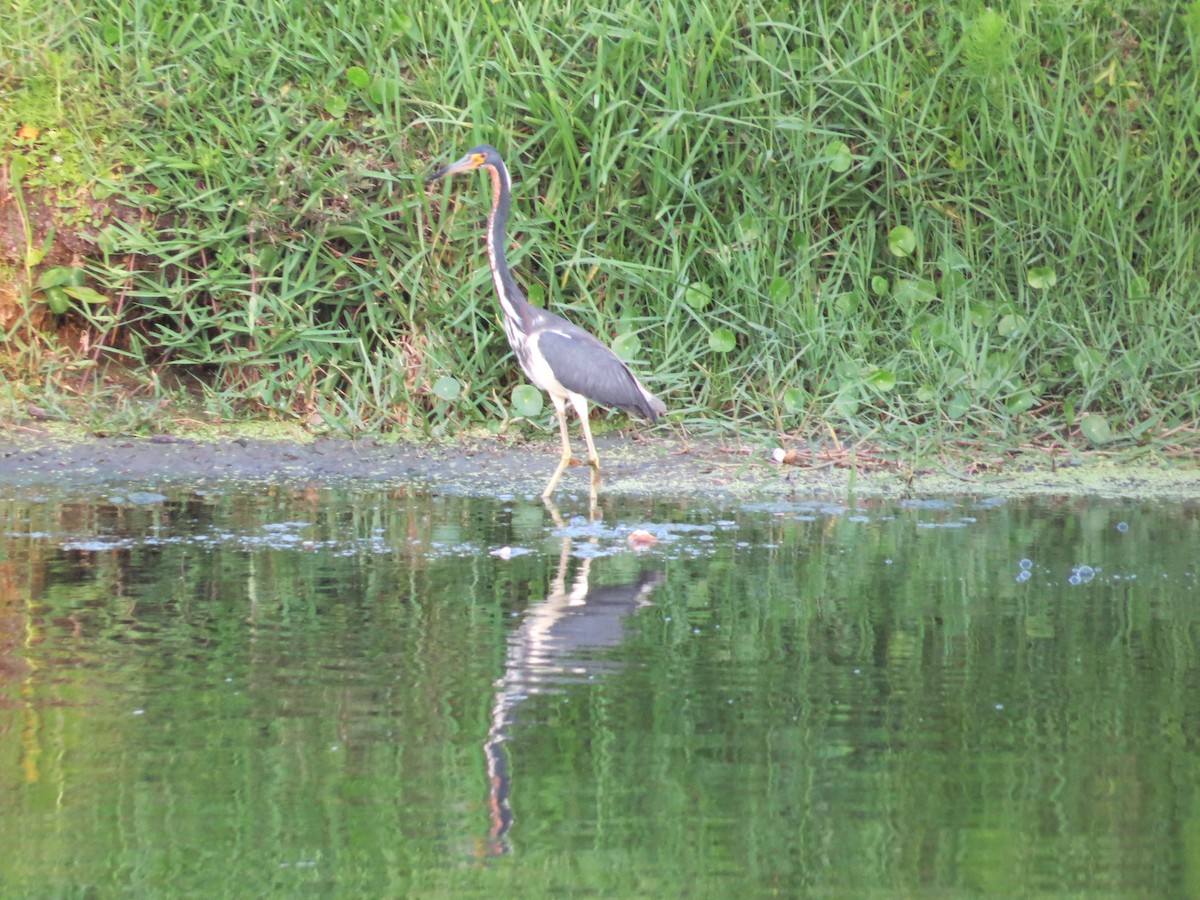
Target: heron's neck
507, 290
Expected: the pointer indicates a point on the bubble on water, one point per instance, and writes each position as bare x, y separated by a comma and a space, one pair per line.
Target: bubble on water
1023, 576
1083, 573
1026, 564
1074, 579
98, 546
929, 503
1122, 527
507, 552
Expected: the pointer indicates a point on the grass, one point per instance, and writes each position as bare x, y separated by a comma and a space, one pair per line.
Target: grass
904, 225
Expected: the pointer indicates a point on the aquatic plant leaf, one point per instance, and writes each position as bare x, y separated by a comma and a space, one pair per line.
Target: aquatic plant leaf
838, 156
526, 400
447, 388
626, 346
1041, 278
722, 340
1095, 428
902, 241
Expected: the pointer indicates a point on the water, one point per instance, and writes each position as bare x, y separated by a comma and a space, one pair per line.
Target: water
275, 691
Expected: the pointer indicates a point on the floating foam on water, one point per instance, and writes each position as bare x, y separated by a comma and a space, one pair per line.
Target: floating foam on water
929, 503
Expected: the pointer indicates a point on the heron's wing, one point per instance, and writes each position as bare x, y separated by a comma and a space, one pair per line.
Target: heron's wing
583, 365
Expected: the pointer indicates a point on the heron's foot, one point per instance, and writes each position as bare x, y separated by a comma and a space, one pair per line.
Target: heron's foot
594, 464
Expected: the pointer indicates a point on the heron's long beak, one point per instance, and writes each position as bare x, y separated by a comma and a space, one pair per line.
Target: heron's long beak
468, 163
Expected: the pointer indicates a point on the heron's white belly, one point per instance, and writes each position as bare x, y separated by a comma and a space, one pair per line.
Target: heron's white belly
540, 373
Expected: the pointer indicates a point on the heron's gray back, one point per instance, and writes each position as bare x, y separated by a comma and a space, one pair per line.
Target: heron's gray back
583, 365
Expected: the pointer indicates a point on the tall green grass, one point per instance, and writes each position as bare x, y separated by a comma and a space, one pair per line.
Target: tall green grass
883, 219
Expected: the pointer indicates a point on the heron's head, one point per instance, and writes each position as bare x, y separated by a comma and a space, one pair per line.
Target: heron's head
476, 158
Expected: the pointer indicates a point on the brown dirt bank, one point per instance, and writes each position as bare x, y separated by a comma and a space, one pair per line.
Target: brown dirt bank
665, 468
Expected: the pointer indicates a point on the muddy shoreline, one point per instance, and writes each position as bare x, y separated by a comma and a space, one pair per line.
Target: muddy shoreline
491, 467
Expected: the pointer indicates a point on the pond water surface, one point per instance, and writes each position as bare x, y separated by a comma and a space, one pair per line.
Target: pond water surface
271, 690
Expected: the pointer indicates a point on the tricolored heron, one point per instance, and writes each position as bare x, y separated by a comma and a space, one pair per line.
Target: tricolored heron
560, 358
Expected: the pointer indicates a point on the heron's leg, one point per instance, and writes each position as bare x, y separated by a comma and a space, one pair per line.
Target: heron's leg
560, 407
555, 515
581, 410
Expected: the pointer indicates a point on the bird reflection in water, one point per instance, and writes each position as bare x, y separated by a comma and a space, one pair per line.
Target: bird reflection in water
558, 644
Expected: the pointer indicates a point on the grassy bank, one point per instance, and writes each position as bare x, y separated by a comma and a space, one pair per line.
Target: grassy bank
894, 222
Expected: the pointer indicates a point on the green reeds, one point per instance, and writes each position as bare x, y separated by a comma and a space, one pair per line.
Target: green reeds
888, 220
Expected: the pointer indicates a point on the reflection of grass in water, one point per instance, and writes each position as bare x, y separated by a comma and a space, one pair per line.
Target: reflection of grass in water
785, 701
900, 223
